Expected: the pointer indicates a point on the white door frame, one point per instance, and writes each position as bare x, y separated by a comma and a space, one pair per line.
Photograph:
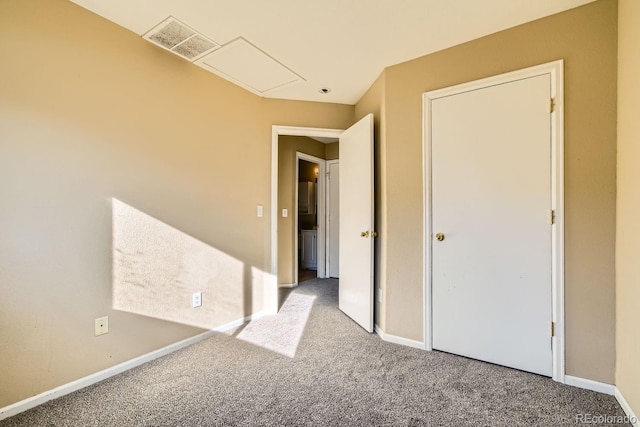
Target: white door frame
555, 70
320, 212
271, 287
328, 207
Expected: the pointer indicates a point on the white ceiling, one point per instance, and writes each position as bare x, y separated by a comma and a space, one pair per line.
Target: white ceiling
340, 44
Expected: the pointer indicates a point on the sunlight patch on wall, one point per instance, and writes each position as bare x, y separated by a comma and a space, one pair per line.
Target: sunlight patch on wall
157, 268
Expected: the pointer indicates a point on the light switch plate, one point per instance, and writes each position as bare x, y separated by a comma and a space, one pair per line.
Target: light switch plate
260, 211
196, 299
285, 213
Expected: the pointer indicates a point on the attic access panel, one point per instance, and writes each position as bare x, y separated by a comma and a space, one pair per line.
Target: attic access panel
246, 65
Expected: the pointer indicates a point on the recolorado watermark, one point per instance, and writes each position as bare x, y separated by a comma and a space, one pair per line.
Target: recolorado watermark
605, 419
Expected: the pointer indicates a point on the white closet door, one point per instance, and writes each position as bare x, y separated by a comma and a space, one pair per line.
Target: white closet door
491, 203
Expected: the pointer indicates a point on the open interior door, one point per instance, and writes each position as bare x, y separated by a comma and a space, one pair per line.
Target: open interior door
356, 291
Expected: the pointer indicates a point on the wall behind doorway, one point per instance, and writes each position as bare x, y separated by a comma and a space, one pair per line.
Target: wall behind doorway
332, 151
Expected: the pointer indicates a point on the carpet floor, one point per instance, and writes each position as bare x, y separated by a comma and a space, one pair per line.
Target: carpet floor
311, 365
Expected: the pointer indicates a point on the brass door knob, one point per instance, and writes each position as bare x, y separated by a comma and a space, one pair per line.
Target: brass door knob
439, 237
364, 234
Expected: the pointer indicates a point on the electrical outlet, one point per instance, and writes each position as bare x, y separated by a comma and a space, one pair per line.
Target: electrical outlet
102, 325
196, 300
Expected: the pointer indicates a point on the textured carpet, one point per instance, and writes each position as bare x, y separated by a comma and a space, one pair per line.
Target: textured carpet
311, 365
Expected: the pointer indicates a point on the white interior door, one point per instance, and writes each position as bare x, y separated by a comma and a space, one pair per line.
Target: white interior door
333, 219
356, 223
491, 201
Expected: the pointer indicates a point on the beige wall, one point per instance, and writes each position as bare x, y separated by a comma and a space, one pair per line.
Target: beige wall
287, 148
332, 151
373, 101
628, 224
90, 112
586, 38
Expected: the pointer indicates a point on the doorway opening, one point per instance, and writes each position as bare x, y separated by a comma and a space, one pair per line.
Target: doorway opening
355, 296
281, 275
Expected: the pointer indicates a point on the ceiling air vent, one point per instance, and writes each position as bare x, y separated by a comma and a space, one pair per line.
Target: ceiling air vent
180, 39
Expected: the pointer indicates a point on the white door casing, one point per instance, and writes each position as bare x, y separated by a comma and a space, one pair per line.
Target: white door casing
333, 218
493, 174
270, 295
357, 222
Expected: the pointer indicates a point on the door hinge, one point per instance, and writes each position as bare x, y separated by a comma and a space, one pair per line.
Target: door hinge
552, 216
552, 105
553, 329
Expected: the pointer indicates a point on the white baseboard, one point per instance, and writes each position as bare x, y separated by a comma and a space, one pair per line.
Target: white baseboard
398, 340
633, 419
32, 402
287, 285
590, 385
